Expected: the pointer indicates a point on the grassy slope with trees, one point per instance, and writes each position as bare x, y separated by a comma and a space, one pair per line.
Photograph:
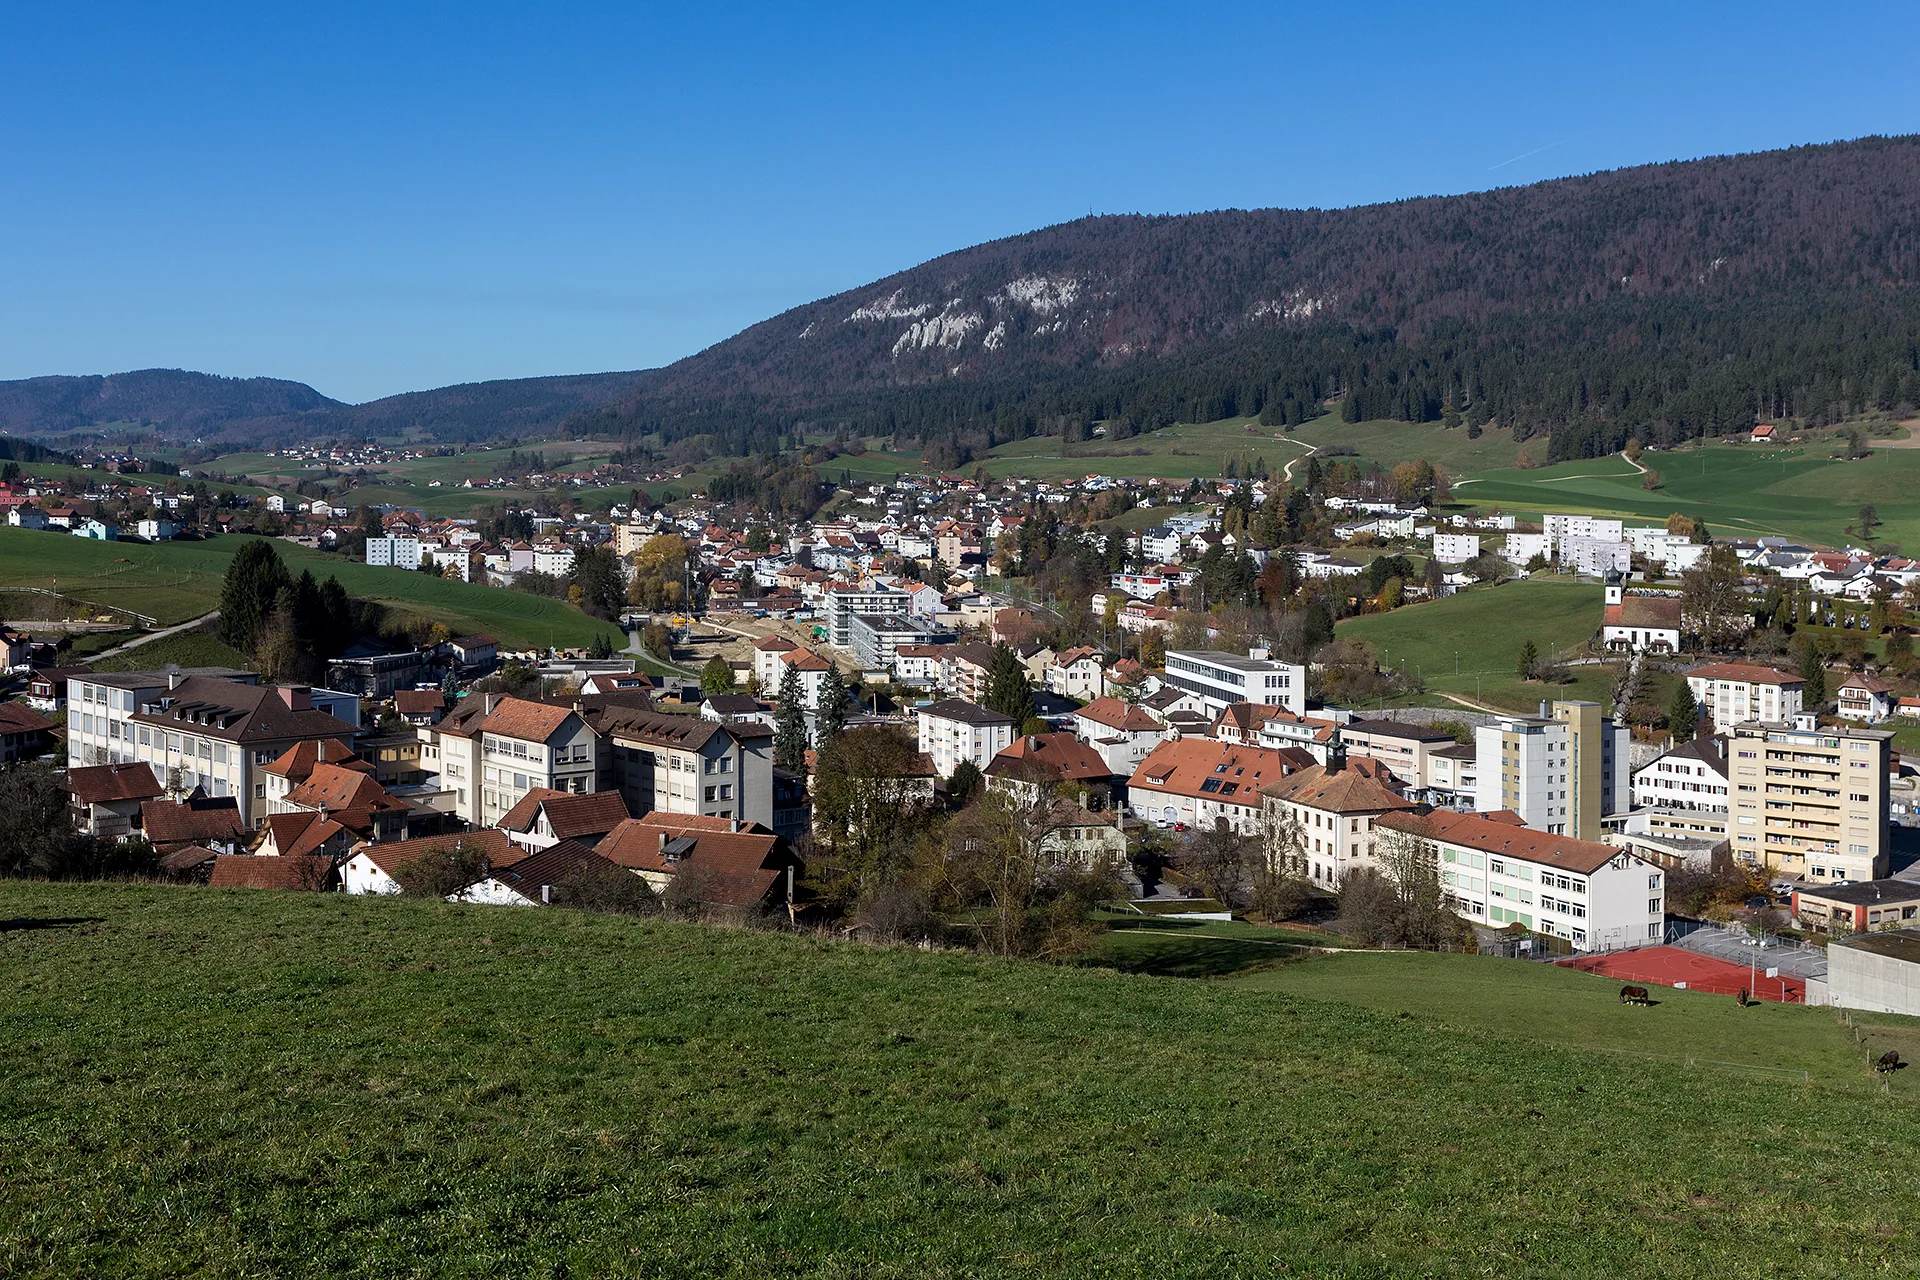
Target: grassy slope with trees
175, 581
374, 1087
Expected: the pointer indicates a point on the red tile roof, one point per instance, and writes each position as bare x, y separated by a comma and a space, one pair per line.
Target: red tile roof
248, 872
191, 821
734, 868
104, 783
571, 816
1498, 834
1347, 791
394, 855
1117, 714
530, 721
1183, 768
1051, 757
1744, 672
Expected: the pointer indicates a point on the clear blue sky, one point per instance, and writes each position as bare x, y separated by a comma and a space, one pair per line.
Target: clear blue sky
389, 197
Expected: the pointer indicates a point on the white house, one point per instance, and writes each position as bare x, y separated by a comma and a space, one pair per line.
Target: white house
954, 730
1596, 896
1691, 776
1076, 674
376, 868
1455, 548
1732, 693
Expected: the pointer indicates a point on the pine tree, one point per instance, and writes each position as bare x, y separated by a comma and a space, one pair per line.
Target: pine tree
1683, 714
1007, 689
1813, 670
790, 725
247, 594
1529, 660
830, 709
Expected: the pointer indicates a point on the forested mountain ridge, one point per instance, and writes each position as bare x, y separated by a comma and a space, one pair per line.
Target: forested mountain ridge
1584, 306
181, 406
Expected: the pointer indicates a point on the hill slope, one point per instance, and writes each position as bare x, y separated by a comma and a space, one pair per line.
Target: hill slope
1615, 298
181, 407
234, 1083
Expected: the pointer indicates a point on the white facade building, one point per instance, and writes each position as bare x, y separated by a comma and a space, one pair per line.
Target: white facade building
1455, 548
1221, 679
956, 730
394, 551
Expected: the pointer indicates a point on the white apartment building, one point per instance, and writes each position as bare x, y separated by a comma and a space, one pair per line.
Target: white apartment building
1077, 674
1691, 776
1810, 801
1522, 547
954, 730
1221, 679
1595, 557
843, 605
1455, 548
524, 745
215, 732
1596, 896
1731, 693
394, 551
1558, 526
1561, 772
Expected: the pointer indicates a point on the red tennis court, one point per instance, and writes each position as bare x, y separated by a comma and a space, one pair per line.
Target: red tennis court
1671, 966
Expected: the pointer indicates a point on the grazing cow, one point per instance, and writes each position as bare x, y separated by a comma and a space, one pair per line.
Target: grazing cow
1635, 995
1743, 997
1889, 1061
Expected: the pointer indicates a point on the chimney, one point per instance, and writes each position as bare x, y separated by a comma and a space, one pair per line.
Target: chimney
733, 824
546, 895
298, 697
1258, 653
174, 677
663, 842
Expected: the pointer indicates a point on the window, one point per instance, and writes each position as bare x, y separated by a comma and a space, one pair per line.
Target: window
710, 795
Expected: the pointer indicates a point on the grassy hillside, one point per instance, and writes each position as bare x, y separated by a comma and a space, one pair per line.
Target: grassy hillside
321, 1085
1742, 490
1469, 643
175, 581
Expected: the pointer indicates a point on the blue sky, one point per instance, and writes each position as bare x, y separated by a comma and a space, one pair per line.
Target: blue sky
384, 198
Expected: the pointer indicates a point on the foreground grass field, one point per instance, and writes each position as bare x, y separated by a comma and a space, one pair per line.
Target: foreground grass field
1468, 644
174, 581
248, 1084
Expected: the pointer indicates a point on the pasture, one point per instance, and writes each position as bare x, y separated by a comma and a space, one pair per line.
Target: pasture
174, 581
235, 1083
1469, 643
1741, 490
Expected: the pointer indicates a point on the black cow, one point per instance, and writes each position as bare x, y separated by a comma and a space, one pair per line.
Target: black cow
1635, 995
1889, 1061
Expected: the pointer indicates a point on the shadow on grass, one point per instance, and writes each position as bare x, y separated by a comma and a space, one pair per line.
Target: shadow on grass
1162, 956
47, 922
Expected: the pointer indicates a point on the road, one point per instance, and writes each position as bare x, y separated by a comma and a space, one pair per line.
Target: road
151, 636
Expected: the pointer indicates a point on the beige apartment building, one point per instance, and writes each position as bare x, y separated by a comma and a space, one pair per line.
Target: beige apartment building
1808, 800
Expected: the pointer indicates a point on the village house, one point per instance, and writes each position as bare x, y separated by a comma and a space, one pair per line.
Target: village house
1319, 821
1204, 784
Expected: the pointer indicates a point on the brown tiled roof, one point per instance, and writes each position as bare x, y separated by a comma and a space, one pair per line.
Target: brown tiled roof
1117, 714
775, 644
1348, 791
332, 788
394, 855
1493, 834
247, 872
961, 711
1055, 757
18, 717
187, 858
191, 821
297, 761
735, 868
530, 721
1657, 612
1182, 768
550, 866
102, 783
646, 725
217, 708
418, 702
571, 816
296, 834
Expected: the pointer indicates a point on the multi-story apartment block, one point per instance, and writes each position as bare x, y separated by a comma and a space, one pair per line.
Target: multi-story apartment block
1594, 557
1559, 526
526, 745
1409, 750
213, 732
878, 637
1810, 801
1596, 896
1561, 771
843, 605
955, 730
1455, 548
1730, 693
394, 551
1221, 679
682, 764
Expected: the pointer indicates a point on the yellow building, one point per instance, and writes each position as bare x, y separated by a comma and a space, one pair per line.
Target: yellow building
1810, 801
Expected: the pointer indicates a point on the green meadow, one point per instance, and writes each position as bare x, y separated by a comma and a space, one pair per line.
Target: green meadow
174, 581
245, 1083
1468, 644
